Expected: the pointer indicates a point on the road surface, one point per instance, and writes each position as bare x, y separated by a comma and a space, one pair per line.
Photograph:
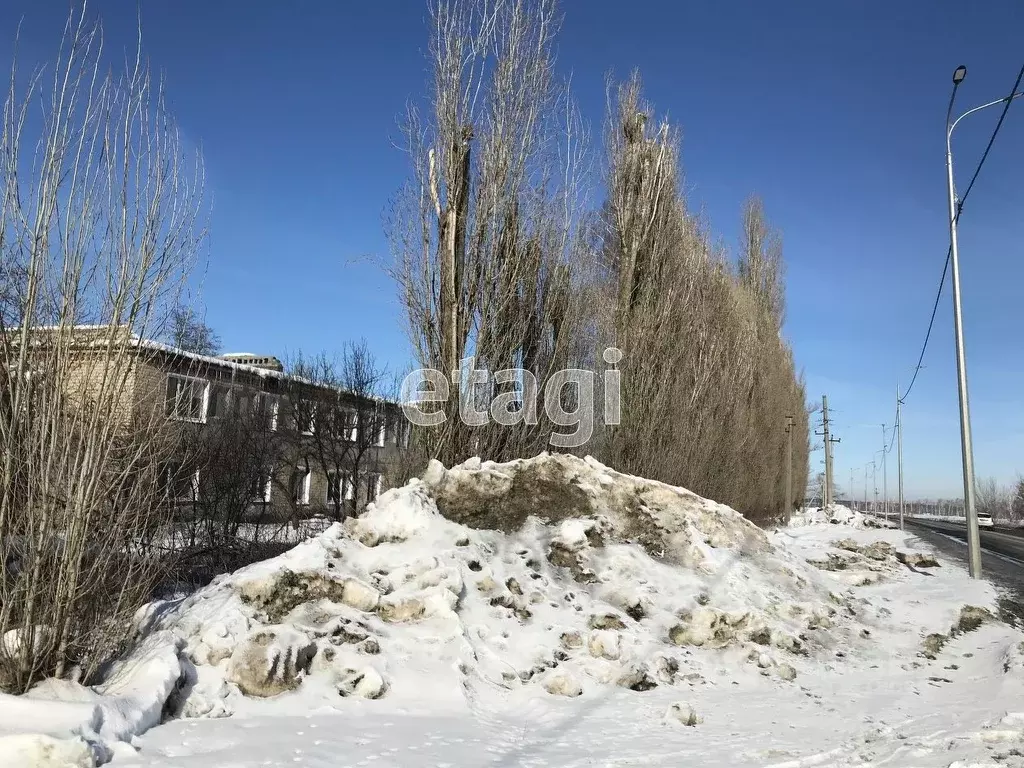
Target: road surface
1005, 571
1003, 541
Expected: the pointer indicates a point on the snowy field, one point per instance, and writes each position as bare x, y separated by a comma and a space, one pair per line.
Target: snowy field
616, 622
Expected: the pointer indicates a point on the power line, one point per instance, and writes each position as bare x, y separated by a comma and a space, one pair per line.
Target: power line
931, 322
959, 210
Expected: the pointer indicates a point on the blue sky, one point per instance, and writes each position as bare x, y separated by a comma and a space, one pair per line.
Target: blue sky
832, 112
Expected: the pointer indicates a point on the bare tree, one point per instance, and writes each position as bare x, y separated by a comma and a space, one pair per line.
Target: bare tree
485, 234
761, 268
707, 382
1017, 505
99, 222
496, 262
994, 499
339, 421
190, 333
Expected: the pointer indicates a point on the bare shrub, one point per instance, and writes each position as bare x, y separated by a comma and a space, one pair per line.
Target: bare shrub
215, 522
99, 227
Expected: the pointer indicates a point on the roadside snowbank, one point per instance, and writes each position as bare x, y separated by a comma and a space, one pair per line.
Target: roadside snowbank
544, 594
880, 697
836, 514
602, 580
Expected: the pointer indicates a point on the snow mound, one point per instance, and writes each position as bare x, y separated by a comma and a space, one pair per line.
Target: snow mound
63, 723
42, 751
554, 575
837, 514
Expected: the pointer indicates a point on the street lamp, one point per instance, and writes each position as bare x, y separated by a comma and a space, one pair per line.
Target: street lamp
967, 450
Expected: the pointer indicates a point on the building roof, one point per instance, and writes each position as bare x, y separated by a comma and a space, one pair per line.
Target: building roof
222, 362
207, 360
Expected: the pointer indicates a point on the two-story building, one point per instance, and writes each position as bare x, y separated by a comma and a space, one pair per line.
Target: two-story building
248, 441
307, 448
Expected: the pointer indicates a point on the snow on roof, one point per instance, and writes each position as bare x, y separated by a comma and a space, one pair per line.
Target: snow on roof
267, 373
212, 360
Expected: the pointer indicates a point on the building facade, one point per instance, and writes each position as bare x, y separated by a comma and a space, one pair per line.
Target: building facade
259, 444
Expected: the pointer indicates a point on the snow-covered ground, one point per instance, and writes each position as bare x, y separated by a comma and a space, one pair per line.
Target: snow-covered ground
616, 622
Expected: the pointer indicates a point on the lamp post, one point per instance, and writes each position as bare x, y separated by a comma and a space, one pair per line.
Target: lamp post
899, 447
966, 448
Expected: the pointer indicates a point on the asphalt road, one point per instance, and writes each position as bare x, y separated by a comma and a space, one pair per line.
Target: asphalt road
1005, 571
1004, 541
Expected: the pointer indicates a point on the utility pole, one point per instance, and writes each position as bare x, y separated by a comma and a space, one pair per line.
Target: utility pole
885, 482
874, 484
832, 464
966, 444
899, 446
865, 487
852, 502
789, 468
827, 501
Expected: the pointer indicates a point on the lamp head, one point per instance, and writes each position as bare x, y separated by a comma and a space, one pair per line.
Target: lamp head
959, 74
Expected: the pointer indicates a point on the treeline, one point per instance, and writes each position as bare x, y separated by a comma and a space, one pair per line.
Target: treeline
515, 248
1004, 503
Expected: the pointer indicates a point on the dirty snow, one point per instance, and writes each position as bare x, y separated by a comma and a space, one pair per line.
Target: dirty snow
837, 514
578, 637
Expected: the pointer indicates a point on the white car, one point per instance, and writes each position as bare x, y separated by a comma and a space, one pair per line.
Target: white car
985, 521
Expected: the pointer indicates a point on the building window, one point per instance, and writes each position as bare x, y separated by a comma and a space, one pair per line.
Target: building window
300, 485
382, 431
266, 406
373, 485
351, 421
261, 487
181, 485
187, 398
241, 402
304, 414
340, 487
219, 402
402, 430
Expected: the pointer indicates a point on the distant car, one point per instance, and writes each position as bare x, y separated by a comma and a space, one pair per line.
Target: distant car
985, 521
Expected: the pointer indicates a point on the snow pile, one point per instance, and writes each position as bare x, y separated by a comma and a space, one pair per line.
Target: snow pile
598, 580
836, 514
554, 577
61, 723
